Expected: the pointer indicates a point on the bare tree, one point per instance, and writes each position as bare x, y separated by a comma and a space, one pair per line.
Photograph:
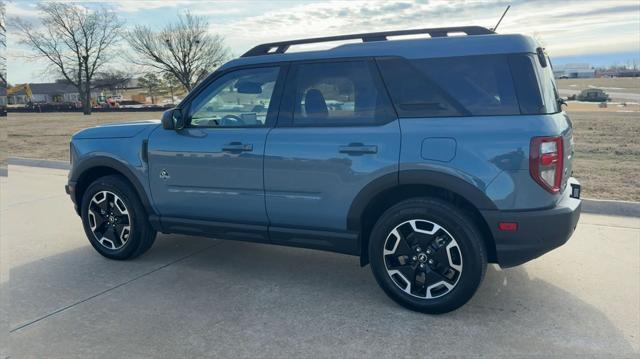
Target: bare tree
184, 49
3, 46
76, 41
112, 80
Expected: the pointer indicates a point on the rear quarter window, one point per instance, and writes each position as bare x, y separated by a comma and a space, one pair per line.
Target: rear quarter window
548, 88
452, 86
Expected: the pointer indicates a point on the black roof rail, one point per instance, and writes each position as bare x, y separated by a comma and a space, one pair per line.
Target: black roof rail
282, 46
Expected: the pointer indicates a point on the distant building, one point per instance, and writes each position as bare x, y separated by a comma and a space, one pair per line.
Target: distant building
619, 72
56, 92
574, 71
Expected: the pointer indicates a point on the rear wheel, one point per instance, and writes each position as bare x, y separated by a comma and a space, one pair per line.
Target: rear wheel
427, 255
114, 219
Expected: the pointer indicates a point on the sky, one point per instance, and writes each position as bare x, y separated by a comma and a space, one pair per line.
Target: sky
602, 32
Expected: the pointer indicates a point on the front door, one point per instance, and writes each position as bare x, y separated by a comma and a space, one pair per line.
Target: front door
336, 133
212, 170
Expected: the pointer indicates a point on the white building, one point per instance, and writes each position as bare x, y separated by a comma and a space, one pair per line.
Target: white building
573, 71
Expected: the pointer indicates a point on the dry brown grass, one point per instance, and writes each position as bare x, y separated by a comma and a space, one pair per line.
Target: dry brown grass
46, 135
622, 84
607, 158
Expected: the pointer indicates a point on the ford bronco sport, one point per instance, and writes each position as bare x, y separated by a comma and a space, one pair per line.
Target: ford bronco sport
426, 157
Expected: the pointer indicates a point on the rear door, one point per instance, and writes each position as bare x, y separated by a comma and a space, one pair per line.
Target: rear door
336, 133
212, 170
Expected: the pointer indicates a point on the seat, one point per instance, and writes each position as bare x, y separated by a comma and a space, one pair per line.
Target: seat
314, 104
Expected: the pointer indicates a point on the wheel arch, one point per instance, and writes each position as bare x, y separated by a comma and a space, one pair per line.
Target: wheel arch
91, 169
390, 189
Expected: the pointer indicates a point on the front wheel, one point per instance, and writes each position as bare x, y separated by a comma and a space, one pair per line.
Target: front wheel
427, 255
114, 219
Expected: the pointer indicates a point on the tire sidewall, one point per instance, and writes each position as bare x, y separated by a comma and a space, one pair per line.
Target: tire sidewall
121, 189
453, 221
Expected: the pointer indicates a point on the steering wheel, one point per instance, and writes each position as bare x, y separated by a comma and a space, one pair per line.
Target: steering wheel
235, 120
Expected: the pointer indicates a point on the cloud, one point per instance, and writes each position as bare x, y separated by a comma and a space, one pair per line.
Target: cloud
557, 24
145, 5
571, 27
24, 10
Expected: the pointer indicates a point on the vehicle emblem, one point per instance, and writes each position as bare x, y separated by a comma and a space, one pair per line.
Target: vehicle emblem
164, 175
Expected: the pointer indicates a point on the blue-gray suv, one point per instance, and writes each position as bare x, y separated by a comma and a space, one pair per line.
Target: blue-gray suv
426, 157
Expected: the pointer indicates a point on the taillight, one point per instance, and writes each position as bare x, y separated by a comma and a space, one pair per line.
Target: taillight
546, 162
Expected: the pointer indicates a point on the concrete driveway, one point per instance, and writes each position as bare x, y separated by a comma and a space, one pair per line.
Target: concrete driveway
198, 297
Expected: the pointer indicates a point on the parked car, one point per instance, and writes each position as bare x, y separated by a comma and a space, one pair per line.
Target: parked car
591, 95
454, 154
130, 104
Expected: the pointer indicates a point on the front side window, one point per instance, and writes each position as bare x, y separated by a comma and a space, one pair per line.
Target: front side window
237, 99
337, 93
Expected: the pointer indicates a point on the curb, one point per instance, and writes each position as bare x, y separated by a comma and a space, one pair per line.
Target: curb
610, 207
589, 205
30, 162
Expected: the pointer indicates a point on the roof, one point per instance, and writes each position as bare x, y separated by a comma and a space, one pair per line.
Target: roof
47, 88
408, 48
54, 88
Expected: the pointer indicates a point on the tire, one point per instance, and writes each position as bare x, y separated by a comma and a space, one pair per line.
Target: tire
436, 243
122, 231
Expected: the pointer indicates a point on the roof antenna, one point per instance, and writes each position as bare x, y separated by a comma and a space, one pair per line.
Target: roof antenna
501, 17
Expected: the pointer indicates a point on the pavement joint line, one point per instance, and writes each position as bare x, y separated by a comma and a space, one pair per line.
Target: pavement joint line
67, 307
609, 226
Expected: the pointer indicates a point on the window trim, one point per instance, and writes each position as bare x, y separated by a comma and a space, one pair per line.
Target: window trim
287, 106
274, 103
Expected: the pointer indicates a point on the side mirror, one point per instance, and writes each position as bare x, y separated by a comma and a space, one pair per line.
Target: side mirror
562, 102
172, 119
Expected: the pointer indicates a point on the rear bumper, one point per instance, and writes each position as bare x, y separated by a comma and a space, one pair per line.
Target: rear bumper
538, 231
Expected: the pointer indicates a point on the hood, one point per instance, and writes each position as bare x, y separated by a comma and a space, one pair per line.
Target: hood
115, 130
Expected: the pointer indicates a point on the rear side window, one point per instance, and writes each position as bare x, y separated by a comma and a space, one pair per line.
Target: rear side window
337, 93
548, 88
454, 86
535, 85
526, 83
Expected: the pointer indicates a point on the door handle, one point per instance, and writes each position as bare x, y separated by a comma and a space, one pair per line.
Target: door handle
237, 147
356, 149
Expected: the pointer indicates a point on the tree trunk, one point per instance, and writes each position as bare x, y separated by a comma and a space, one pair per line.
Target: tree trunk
86, 103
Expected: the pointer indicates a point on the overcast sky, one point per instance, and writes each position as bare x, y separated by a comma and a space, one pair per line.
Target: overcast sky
600, 32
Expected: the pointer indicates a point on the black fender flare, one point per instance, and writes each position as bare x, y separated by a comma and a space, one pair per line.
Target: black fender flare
80, 170
432, 178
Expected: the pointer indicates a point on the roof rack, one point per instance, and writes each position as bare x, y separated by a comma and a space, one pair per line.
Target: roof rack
282, 46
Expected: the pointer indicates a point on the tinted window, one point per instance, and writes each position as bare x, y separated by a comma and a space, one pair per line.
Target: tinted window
548, 88
337, 93
237, 99
526, 83
454, 86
